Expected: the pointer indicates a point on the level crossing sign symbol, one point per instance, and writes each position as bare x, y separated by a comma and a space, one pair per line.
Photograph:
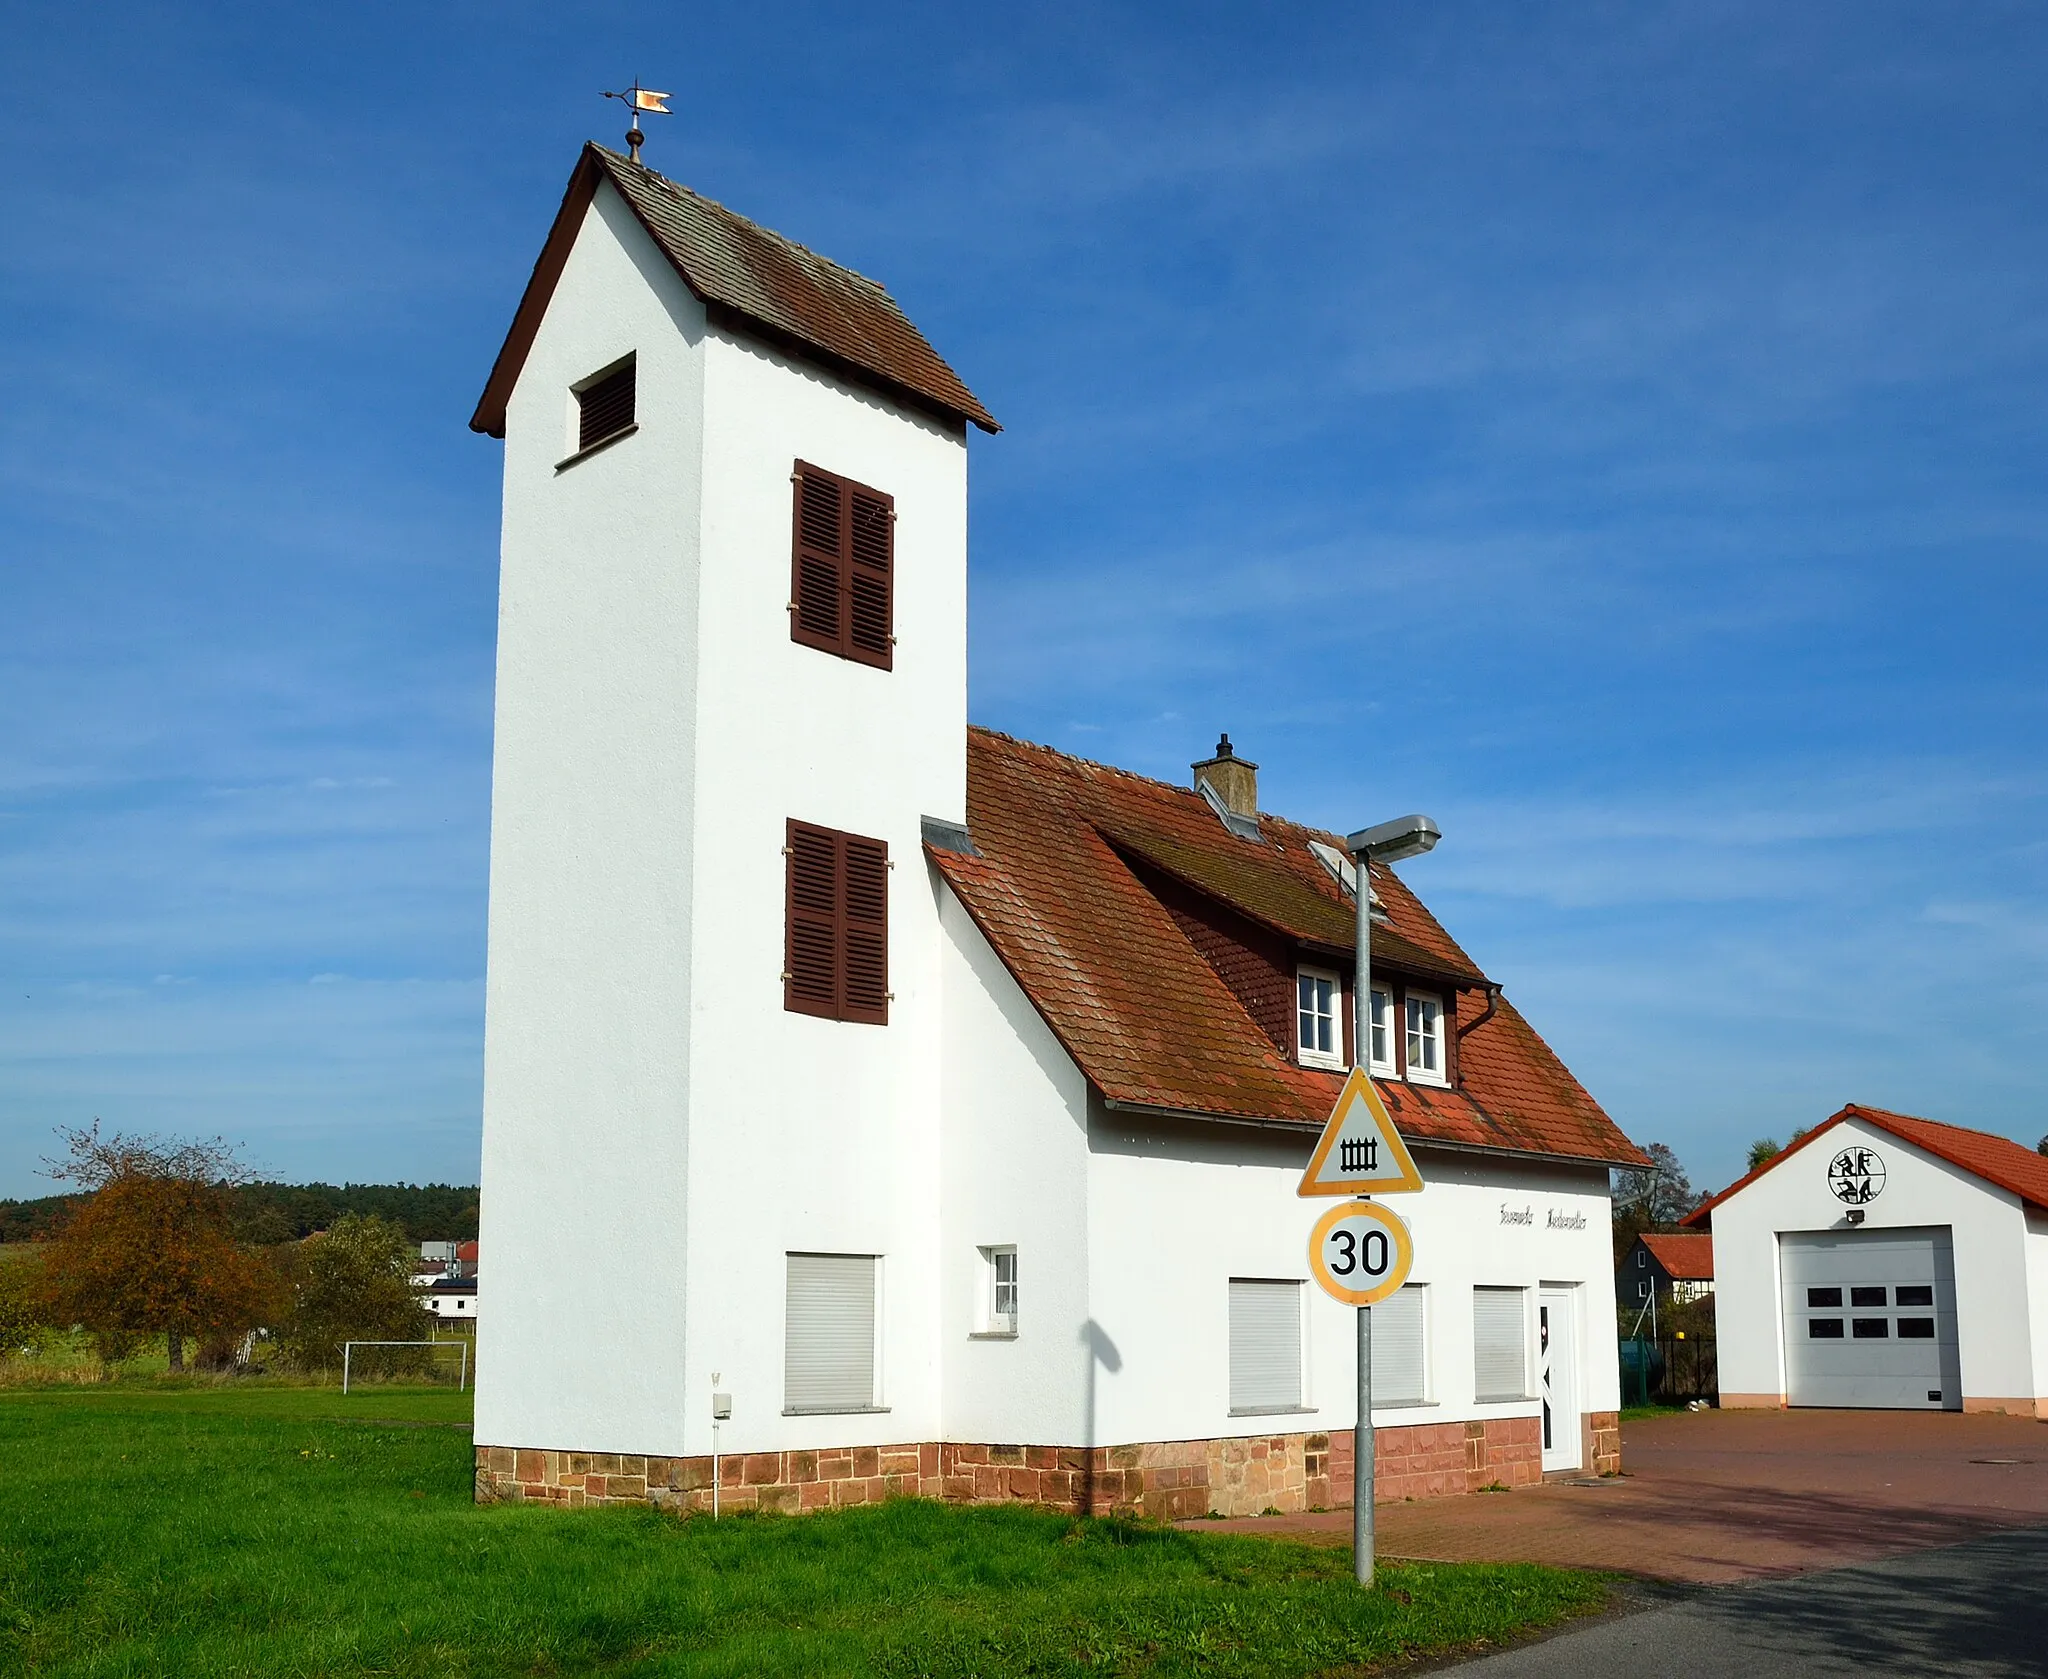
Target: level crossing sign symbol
1359, 1152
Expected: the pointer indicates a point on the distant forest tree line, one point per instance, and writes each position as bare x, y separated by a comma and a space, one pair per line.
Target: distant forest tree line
264, 1214
175, 1237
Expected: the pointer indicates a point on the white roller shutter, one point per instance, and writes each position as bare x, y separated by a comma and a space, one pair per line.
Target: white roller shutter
1500, 1343
1400, 1370
1265, 1345
828, 1361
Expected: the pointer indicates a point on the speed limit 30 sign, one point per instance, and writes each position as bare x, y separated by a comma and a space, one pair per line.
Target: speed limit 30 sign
1360, 1252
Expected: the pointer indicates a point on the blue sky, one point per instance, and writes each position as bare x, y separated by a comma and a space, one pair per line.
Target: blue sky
1616, 430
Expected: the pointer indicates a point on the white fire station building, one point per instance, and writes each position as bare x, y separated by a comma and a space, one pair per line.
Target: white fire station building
949, 1093
1885, 1261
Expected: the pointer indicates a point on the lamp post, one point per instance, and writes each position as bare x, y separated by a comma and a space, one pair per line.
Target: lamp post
1389, 842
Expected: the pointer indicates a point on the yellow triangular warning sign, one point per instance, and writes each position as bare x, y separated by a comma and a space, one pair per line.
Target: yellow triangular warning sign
1359, 1152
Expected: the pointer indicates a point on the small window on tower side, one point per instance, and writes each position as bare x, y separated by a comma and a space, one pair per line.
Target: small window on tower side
604, 406
999, 1315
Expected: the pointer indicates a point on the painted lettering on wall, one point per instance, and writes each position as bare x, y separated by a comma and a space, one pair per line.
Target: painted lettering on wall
1564, 1221
1553, 1218
1517, 1215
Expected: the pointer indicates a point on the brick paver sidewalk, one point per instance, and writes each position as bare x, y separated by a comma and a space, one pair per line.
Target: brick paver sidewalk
1717, 1496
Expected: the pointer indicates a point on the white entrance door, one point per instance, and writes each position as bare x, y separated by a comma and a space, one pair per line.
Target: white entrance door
1558, 1371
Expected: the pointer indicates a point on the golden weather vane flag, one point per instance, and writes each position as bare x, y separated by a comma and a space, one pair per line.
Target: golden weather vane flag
637, 99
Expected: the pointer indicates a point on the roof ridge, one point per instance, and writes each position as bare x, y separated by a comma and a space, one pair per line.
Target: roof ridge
724, 209
1086, 763
1938, 1124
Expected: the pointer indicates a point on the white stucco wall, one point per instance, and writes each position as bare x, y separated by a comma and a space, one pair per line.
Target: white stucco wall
809, 1134
2036, 1242
651, 1111
1178, 1209
586, 1068
1988, 1229
1015, 1172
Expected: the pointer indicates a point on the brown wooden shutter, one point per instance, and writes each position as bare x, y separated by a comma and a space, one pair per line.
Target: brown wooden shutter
842, 596
811, 963
870, 578
864, 927
817, 616
836, 944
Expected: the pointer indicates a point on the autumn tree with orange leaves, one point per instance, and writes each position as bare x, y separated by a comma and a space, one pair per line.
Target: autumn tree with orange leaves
151, 1251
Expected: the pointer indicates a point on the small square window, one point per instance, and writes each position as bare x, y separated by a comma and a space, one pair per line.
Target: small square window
1425, 1038
1382, 1030
1319, 1029
1824, 1329
1913, 1294
1866, 1297
1871, 1329
1643, 1289
1830, 1297
1916, 1329
1642, 1259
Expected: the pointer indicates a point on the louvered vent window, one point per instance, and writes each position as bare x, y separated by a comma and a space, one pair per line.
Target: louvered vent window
605, 407
842, 595
836, 956
828, 1349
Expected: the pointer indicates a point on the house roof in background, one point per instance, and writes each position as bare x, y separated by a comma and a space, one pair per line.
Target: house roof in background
1687, 1256
1150, 1022
1997, 1160
746, 276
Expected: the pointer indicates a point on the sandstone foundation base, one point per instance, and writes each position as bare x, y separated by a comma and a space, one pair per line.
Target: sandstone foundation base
1170, 1479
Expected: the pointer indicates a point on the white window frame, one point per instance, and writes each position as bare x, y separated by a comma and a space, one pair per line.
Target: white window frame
1380, 1028
1440, 1074
1522, 1291
1419, 1293
877, 1402
1301, 1406
1333, 1057
994, 1324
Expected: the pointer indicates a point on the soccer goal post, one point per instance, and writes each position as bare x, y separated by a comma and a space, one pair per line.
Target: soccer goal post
348, 1349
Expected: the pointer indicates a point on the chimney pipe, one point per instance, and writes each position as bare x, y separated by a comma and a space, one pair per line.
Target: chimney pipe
1232, 779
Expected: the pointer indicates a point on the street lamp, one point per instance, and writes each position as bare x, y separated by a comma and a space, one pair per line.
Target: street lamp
1389, 842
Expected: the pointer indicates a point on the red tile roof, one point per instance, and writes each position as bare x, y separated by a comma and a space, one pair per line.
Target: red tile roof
1997, 1160
1151, 1023
1688, 1257
748, 276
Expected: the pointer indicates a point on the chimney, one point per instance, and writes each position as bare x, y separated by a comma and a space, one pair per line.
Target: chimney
1232, 779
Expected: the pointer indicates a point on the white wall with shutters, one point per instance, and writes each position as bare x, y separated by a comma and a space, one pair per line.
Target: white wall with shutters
828, 1358
1500, 1343
1400, 1348
1265, 1345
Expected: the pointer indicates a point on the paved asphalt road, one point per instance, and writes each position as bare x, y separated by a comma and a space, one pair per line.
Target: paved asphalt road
1974, 1609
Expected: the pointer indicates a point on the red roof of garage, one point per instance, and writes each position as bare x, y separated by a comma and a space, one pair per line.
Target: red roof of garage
1997, 1160
1053, 887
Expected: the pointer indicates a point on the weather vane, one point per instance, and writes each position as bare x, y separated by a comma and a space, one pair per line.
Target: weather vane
637, 99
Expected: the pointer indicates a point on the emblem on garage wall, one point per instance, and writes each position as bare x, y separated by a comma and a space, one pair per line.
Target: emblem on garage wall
1856, 1175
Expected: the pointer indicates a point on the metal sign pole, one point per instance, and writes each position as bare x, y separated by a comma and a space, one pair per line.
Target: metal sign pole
1361, 1057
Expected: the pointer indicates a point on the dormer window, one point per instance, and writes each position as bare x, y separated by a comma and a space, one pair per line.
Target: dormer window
1425, 1038
604, 406
1382, 1027
1319, 1028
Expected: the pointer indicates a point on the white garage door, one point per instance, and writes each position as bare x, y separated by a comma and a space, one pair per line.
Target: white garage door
1870, 1319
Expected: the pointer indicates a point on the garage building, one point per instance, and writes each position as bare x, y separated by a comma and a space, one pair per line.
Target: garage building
1884, 1261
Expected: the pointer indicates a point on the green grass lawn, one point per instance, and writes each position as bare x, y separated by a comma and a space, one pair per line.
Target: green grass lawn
276, 1531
